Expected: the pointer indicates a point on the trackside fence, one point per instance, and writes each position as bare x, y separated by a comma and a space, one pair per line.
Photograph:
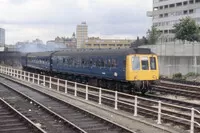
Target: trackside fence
119, 101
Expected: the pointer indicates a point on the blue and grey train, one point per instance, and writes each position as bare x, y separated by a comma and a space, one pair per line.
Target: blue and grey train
119, 69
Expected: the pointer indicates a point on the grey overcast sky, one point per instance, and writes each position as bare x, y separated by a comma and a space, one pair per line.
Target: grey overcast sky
46, 19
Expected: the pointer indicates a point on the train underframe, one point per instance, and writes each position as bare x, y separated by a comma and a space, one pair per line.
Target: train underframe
115, 85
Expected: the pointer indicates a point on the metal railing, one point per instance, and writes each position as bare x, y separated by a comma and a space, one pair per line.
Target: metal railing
117, 98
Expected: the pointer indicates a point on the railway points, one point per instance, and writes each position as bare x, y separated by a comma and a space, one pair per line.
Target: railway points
59, 89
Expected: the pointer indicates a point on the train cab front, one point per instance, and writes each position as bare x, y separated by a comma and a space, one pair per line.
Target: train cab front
142, 70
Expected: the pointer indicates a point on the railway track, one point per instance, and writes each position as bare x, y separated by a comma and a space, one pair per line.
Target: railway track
187, 87
188, 91
181, 81
12, 121
36, 112
79, 119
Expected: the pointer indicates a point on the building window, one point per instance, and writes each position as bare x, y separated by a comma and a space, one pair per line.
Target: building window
185, 3
126, 45
161, 7
96, 44
191, 1
166, 6
155, 1
155, 8
111, 44
172, 5
179, 4
166, 15
197, 1
191, 11
155, 24
119, 45
161, 15
171, 31
161, 31
185, 12
103, 44
88, 44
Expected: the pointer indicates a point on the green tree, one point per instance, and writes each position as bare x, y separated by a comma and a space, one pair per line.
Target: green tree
187, 29
153, 35
139, 42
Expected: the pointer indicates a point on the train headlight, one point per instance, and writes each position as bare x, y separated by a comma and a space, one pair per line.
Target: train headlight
154, 77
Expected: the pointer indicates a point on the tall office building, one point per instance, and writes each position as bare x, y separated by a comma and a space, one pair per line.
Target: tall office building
166, 13
81, 34
2, 37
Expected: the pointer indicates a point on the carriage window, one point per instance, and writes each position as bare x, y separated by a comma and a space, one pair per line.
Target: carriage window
102, 63
86, 62
94, 63
105, 62
90, 62
70, 63
82, 62
136, 63
114, 63
153, 63
78, 60
109, 63
145, 63
98, 62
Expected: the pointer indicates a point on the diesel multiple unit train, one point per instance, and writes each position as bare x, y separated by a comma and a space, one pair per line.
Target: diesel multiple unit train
132, 70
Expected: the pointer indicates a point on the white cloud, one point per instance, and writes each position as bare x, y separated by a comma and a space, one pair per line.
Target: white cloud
83, 4
46, 19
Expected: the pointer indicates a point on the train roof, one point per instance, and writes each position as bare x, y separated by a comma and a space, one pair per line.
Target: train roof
100, 52
96, 52
40, 54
